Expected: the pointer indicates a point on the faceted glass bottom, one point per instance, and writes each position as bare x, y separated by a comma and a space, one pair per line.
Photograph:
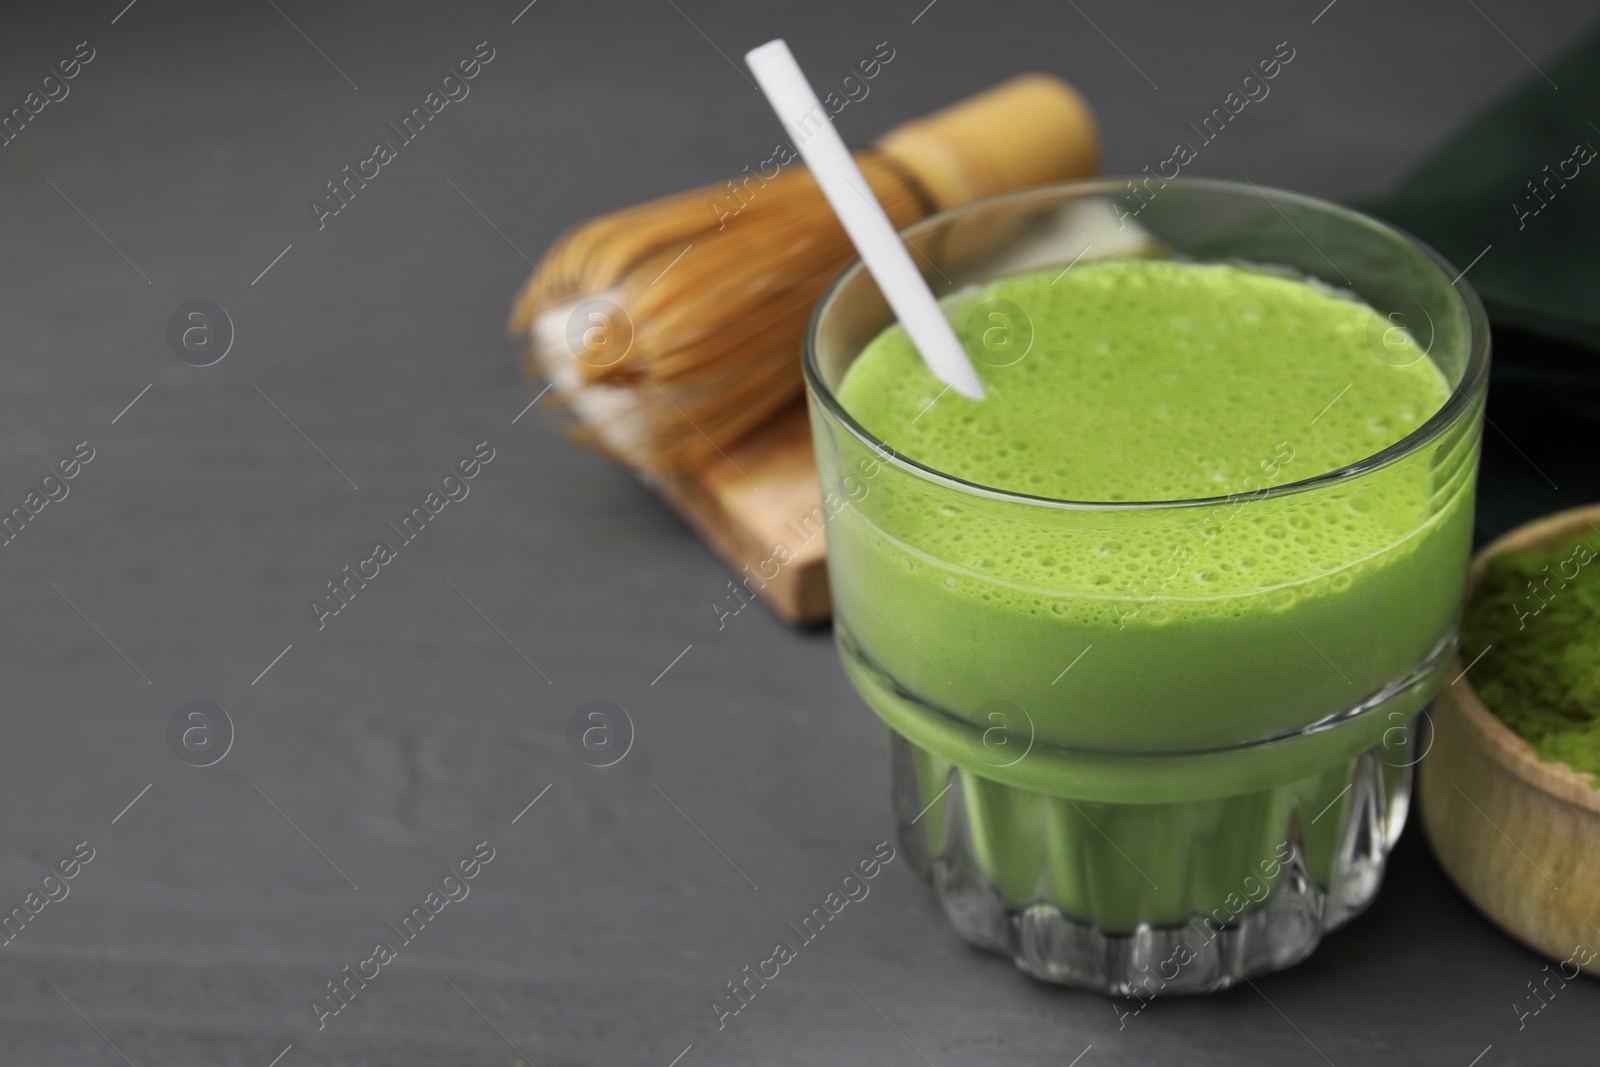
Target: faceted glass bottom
1252, 882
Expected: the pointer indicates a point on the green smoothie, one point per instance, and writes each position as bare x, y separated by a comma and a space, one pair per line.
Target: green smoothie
1140, 658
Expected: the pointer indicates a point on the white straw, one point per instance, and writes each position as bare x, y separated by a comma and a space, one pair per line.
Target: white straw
870, 230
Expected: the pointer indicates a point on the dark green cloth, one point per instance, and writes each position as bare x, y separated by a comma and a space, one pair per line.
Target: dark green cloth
1540, 278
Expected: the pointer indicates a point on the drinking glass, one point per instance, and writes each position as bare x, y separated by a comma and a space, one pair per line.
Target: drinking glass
1095, 780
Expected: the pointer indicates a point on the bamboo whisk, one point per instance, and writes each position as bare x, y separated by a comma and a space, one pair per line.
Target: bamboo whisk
673, 329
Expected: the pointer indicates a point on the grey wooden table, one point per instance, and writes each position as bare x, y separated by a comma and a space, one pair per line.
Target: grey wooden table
372, 755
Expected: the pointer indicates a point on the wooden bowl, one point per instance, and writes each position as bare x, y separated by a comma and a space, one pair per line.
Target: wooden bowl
1520, 837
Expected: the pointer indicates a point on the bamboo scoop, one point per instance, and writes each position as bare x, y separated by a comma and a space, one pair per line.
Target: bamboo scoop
671, 330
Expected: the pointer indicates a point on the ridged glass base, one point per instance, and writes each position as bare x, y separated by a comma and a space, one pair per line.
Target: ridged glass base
1147, 900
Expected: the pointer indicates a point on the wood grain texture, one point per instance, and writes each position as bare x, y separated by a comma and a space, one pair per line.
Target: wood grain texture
1519, 836
411, 727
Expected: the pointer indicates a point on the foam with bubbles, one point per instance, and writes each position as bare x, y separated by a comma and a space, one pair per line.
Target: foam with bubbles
1155, 380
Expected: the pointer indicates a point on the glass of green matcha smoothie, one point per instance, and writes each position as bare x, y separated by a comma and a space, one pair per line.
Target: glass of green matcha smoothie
1151, 625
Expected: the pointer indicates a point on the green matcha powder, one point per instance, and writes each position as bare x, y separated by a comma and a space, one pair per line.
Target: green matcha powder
1538, 614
